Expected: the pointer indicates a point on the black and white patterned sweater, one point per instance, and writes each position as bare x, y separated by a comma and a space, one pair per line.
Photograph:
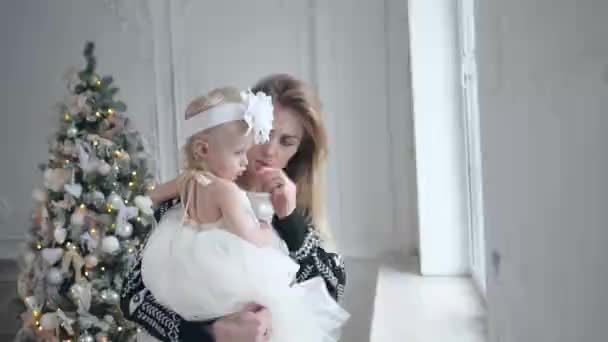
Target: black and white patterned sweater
139, 305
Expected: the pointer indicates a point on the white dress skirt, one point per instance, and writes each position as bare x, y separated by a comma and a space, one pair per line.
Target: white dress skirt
203, 272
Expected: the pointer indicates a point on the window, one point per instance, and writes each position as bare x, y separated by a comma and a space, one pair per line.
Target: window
466, 14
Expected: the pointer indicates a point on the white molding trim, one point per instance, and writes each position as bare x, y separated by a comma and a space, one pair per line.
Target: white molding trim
164, 97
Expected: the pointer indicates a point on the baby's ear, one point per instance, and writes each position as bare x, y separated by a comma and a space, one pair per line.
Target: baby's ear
200, 148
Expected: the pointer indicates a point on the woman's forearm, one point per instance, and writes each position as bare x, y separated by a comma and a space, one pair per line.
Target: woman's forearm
306, 248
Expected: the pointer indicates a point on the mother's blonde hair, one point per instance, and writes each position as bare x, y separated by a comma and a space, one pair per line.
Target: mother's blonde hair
305, 168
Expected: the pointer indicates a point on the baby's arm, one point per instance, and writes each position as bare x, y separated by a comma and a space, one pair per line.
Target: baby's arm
238, 219
164, 192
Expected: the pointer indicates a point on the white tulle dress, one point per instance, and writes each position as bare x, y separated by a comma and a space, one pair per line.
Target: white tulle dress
202, 272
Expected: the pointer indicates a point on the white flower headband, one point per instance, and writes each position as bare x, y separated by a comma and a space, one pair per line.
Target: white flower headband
255, 109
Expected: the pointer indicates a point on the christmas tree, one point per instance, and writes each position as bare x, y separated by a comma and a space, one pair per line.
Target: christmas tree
89, 218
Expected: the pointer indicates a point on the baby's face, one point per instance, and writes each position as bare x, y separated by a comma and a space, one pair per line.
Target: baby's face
227, 154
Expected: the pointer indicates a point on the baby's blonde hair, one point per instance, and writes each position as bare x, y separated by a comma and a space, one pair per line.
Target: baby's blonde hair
200, 104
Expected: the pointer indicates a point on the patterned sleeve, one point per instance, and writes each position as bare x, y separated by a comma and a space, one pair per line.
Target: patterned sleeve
306, 248
139, 305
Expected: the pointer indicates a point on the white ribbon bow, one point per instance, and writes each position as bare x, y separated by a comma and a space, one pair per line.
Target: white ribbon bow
66, 322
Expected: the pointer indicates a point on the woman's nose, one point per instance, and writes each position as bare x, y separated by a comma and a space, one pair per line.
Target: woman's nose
270, 148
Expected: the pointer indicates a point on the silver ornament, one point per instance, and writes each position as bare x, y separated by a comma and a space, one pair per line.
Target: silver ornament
72, 131
125, 230
110, 297
54, 276
115, 200
86, 337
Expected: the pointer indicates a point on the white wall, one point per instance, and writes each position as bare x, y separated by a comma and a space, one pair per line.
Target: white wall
361, 64
544, 123
39, 40
164, 52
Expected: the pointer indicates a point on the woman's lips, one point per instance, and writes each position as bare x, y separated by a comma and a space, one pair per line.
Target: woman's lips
260, 164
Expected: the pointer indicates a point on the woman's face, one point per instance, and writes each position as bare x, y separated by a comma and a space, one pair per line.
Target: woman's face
285, 138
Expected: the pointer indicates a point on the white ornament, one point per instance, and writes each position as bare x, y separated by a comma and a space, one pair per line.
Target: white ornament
104, 168
72, 131
115, 200
86, 337
125, 230
60, 235
144, 204
54, 276
110, 297
91, 261
52, 255
49, 321
110, 244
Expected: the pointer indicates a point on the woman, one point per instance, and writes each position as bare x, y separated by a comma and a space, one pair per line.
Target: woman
289, 168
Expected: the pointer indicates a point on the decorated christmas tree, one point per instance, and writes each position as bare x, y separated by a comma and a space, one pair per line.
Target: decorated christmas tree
90, 217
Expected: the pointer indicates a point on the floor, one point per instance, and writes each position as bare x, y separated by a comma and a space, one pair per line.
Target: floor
387, 304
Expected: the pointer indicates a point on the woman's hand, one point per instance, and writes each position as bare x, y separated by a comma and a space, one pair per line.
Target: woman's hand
252, 324
282, 190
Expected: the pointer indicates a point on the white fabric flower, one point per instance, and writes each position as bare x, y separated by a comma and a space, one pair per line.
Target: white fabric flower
55, 179
77, 104
258, 115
